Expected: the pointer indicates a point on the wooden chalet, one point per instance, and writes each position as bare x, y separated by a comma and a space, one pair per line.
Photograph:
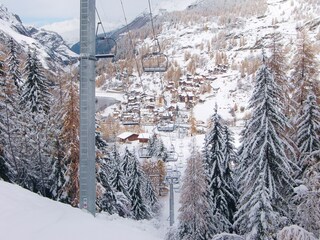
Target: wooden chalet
127, 136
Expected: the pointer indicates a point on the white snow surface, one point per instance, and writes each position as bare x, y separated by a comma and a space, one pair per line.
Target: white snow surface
25, 215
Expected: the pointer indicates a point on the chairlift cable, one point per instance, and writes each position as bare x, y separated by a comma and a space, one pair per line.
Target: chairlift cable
151, 19
134, 55
131, 41
100, 23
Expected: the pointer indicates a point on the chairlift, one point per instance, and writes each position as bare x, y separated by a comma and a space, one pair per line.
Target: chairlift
163, 191
106, 47
130, 119
173, 177
166, 127
144, 152
172, 155
177, 187
155, 61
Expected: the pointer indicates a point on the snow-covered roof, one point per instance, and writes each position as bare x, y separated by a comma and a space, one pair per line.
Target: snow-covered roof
144, 135
125, 135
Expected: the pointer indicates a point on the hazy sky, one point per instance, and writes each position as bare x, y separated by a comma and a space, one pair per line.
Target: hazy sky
62, 16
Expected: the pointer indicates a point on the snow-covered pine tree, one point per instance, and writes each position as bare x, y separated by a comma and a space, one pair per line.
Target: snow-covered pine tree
161, 151
308, 131
306, 200
35, 96
106, 198
150, 196
127, 162
57, 176
307, 211
213, 142
13, 63
138, 205
9, 126
35, 100
2, 105
231, 161
156, 148
266, 170
295, 232
4, 168
118, 180
152, 145
222, 193
195, 219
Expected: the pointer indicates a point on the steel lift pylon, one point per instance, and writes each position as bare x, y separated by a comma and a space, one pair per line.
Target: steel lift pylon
87, 178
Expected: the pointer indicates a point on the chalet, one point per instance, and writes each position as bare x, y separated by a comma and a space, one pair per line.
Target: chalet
144, 137
127, 136
186, 97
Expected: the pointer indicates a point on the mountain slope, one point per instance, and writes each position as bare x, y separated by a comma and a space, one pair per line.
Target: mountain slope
54, 52
220, 43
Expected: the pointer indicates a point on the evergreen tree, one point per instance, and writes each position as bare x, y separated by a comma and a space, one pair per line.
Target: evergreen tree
35, 97
161, 151
213, 143
57, 176
127, 162
152, 145
13, 63
156, 148
35, 100
230, 160
307, 211
295, 232
2, 105
308, 131
266, 170
118, 180
195, 220
219, 153
4, 168
106, 198
150, 196
8, 116
138, 206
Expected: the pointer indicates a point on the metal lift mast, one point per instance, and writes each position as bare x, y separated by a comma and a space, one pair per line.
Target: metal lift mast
87, 176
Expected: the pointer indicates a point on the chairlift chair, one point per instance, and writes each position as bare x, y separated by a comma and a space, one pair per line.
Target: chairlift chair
109, 46
172, 156
155, 62
144, 152
128, 119
173, 177
166, 127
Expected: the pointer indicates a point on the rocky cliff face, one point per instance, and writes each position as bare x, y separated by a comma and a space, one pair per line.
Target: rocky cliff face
53, 51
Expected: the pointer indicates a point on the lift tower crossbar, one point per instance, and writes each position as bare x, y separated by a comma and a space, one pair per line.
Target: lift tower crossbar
87, 178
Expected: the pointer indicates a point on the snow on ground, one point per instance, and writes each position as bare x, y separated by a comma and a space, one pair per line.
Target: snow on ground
25, 215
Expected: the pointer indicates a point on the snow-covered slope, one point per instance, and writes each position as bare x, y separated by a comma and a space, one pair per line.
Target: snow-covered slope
53, 51
25, 215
